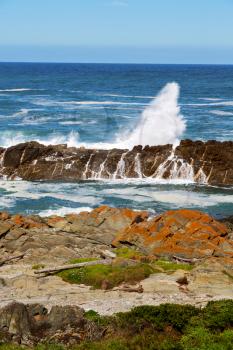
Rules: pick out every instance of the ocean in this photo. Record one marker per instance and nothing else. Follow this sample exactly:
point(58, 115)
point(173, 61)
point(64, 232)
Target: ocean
point(114, 105)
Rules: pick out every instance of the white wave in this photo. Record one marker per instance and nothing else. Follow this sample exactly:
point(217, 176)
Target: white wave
point(98, 103)
point(22, 112)
point(43, 102)
point(61, 191)
point(127, 96)
point(35, 120)
point(222, 113)
point(63, 211)
point(70, 122)
point(6, 202)
point(210, 99)
point(11, 138)
point(15, 90)
point(222, 103)
point(176, 198)
point(76, 122)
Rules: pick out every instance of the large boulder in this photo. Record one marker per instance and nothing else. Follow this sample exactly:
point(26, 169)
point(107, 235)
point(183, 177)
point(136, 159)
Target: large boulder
point(183, 233)
point(30, 324)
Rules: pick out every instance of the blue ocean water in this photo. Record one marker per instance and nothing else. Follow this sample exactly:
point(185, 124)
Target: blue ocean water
point(95, 103)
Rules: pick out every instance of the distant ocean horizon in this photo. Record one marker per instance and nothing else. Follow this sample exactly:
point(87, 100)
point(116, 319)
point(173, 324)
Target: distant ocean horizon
point(104, 105)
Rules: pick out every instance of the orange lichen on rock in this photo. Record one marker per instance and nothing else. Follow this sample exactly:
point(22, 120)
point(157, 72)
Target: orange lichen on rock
point(187, 233)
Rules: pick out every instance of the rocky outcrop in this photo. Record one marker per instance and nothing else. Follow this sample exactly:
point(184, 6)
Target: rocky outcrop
point(60, 239)
point(35, 242)
point(30, 324)
point(205, 162)
point(183, 233)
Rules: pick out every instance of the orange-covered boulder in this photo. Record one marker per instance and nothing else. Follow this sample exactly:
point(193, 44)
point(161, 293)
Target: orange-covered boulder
point(184, 233)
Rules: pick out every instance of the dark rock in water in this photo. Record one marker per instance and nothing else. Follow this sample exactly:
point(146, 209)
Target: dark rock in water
point(204, 162)
point(30, 324)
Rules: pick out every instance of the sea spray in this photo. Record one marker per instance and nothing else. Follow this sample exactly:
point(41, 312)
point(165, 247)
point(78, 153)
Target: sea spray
point(161, 122)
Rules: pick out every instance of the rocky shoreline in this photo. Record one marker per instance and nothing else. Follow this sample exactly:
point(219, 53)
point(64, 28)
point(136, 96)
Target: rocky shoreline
point(191, 254)
point(184, 236)
point(196, 161)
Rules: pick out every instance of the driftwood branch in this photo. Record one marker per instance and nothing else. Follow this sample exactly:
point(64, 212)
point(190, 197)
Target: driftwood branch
point(73, 266)
point(10, 258)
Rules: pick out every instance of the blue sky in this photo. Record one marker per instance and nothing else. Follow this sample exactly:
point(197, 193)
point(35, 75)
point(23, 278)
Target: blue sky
point(153, 31)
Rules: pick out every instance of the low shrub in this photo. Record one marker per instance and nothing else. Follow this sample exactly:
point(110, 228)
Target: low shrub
point(216, 316)
point(201, 338)
point(158, 317)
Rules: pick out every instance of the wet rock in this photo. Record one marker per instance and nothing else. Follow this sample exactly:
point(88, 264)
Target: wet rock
point(209, 161)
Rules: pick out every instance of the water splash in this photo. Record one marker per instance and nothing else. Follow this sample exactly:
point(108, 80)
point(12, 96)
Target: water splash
point(87, 167)
point(137, 166)
point(161, 122)
point(120, 169)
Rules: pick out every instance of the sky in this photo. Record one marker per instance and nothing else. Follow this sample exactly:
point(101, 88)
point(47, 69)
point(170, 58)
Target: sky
point(130, 31)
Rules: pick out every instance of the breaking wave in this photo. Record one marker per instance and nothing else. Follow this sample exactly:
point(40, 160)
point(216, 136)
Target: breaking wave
point(15, 90)
point(63, 211)
point(222, 113)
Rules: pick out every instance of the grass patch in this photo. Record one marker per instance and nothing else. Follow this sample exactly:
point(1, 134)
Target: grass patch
point(172, 266)
point(81, 260)
point(128, 253)
point(38, 266)
point(110, 275)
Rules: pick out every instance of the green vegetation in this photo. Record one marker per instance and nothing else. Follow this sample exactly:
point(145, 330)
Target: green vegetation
point(128, 253)
point(164, 327)
point(121, 270)
point(167, 265)
point(81, 260)
point(201, 339)
point(158, 317)
point(93, 316)
point(107, 276)
point(38, 266)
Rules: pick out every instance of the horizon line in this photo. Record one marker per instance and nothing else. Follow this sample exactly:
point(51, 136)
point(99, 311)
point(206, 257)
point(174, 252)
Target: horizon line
point(118, 63)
